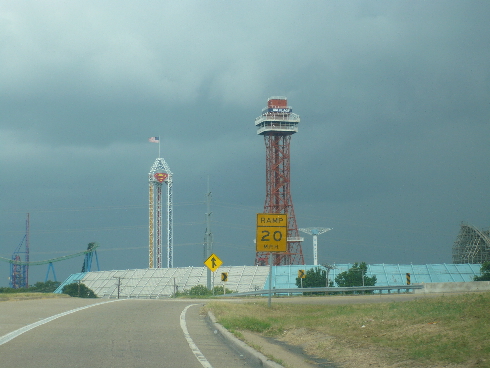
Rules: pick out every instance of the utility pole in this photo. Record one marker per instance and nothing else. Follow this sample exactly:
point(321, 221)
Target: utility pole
point(118, 285)
point(209, 235)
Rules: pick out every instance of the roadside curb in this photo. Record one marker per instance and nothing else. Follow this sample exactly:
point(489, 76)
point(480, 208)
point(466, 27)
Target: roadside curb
point(248, 352)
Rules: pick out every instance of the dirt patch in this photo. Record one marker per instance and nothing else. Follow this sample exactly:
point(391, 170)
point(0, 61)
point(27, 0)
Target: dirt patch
point(301, 348)
point(290, 356)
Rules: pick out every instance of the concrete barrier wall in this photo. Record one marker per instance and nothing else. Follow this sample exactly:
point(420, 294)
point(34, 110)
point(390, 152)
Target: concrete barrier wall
point(454, 287)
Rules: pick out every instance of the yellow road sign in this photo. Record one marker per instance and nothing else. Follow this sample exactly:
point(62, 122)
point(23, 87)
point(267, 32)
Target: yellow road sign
point(213, 262)
point(272, 232)
point(301, 274)
point(224, 276)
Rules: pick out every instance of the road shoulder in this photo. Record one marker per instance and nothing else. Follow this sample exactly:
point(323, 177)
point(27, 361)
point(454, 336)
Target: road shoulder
point(265, 351)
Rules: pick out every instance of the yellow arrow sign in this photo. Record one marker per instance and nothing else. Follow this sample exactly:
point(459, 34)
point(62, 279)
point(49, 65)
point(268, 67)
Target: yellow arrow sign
point(213, 262)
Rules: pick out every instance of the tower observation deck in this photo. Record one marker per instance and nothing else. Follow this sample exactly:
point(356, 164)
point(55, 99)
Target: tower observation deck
point(277, 124)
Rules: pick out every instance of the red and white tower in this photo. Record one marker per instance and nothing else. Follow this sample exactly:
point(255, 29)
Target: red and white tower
point(277, 124)
point(160, 173)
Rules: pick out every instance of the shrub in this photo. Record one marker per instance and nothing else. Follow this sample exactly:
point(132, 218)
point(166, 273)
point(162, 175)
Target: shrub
point(199, 290)
point(485, 272)
point(78, 290)
point(44, 287)
point(355, 276)
point(220, 290)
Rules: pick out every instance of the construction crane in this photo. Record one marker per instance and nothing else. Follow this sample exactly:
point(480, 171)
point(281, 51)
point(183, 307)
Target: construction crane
point(315, 231)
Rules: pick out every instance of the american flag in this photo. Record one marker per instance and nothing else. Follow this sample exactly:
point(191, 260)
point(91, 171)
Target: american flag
point(154, 139)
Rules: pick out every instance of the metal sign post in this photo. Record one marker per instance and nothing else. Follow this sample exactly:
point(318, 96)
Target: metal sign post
point(271, 236)
point(270, 280)
point(301, 276)
point(224, 279)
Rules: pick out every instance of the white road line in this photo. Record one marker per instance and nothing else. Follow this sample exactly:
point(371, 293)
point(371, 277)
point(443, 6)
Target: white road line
point(200, 357)
point(12, 335)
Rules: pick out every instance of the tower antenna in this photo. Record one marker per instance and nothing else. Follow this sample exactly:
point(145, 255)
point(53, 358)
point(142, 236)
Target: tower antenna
point(277, 124)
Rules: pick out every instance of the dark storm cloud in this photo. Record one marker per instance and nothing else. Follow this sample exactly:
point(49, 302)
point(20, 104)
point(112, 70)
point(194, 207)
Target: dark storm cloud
point(392, 149)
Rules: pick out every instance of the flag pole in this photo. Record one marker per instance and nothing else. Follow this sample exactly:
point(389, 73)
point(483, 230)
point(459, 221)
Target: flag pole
point(159, 138)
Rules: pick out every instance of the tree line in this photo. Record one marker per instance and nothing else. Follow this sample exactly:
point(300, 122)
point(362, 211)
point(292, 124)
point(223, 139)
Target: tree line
point(78, 290)
point(354, 276)
point(39, 287)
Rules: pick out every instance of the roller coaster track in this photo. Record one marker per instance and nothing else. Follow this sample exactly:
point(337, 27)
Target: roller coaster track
point(36, 263)
point(480, 233)
point(472, 245)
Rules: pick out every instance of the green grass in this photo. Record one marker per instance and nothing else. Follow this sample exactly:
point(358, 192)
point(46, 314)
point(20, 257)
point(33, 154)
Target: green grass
point(438, 330)
point(246, 323)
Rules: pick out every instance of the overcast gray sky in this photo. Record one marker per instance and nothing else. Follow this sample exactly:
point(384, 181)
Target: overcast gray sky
point(392, 150)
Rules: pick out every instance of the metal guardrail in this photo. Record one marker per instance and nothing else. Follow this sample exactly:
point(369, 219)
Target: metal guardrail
point(328, 290)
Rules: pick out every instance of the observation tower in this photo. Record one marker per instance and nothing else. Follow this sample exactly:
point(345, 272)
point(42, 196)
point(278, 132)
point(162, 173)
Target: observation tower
point(160, 173)
point(277, 124)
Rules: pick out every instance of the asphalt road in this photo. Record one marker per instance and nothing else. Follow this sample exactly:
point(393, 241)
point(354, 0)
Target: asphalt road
point(119, 334)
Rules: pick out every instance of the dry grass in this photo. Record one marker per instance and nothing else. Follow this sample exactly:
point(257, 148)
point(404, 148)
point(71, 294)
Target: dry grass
point(27, 296)
point(446, 331)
